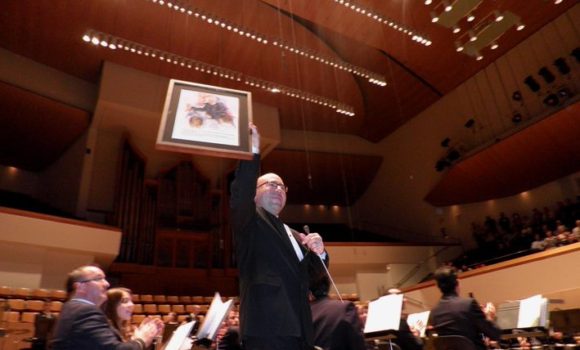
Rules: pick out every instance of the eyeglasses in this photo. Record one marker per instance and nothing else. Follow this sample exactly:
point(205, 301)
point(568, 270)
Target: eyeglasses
point(94, 279)
point(273, 185)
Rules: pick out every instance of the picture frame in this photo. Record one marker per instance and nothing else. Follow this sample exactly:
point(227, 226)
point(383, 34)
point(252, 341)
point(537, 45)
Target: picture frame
point(206, 120)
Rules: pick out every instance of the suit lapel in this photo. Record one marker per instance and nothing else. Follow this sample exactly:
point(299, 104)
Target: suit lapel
point(278, 227)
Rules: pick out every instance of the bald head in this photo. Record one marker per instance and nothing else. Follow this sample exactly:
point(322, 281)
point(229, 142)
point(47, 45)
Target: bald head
point(271, 193)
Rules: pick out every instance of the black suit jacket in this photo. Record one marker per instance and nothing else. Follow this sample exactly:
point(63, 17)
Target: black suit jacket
point(273, 281)
point(85, 326)
point(336, 325)
point(454, 315)
point(406, 340)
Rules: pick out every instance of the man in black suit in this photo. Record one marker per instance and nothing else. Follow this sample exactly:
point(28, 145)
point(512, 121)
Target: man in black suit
point(336, 324)
point(455, 315)
point(273, 261)
point(82, 324)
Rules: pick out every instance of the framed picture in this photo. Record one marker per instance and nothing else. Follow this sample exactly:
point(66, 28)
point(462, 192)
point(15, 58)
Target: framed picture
point(206, 120)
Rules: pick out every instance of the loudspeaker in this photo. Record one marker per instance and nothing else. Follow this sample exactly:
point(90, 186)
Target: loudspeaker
point(532, 83)
point(547, 75)
point(562, 66)
point(576, 54)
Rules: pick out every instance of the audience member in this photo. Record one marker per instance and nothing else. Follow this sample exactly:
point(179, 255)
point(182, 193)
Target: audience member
point(43, 324)
point(83, 325)
point(455, 315)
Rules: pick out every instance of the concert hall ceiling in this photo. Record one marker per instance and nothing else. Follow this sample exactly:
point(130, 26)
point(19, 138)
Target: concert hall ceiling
point(335, 54)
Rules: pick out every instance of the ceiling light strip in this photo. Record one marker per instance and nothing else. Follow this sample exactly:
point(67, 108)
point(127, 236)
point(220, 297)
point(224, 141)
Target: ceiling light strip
point(177, 5)
point(117, 43)
point(415, 36)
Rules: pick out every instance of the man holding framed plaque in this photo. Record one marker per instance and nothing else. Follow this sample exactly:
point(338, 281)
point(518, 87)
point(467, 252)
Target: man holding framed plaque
point(273, 261)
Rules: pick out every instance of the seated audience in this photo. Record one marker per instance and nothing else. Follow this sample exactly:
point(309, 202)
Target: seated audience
point(43, 323)
point(455, 315)
point(83, 325)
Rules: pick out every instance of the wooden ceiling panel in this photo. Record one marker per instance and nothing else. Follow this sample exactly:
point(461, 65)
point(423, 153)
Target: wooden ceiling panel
point(36, 130)
point(514, 165)
point(314, 177)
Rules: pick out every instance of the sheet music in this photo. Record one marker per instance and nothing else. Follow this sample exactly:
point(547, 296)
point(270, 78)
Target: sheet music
point(418, 321)
point(530, 314)
point(179, 336)
point(217, 312)
point(384, 313)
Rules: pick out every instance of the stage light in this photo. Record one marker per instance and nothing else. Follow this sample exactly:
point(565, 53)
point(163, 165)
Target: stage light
point(551, 100)
point(456, 29)
point(498, 16)
point(470, 18)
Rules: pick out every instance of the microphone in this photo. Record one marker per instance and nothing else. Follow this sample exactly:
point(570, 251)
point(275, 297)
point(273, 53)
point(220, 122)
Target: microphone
point(307, 231)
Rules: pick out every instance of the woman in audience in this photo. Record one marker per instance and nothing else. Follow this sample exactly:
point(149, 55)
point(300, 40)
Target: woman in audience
point(119, 308)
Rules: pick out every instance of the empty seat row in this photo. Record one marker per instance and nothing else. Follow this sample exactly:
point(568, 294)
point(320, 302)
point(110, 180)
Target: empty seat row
point(32, 293)
point(166, 308)
point(25, 316)
point(173, 299)
point(136, 319)
point(32, 305)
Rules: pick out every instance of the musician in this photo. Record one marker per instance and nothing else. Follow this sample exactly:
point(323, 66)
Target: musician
point(455, 315)
point(405, 337)
point(273, 261)
point(336, 324)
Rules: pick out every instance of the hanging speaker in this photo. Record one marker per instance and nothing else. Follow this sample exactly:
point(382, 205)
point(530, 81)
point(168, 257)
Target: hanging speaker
point(576, 54)
point(547, 75)
point(562, 66)
point(532, 83)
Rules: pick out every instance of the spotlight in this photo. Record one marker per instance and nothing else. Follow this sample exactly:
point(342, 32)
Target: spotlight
point(469, 123)
point(458, 46)
point(428, 2)
point(472, 36)
point(494, 45)
point(434, 17)
point(551, 100)
point(562, 66)
point(470, 18)
point(517, 118)
point(564, 92)
point(517, 96)
point(445, 142)
point(520, 27)
point(532, 83)
point(456, 29)
point(547, 75)
point(498, 16)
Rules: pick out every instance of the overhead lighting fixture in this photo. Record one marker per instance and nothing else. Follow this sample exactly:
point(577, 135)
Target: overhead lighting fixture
point(472, 36)
point(434, 17)
point(456, 29)
point(470, 18)
point(379, 18)
point(479, 57)
point(458, 46)
point(112, 42)
point(448, 6)
point(260, 38)
point(556, 2)
point(494, 45)
point(498, 16)
point(520, 26)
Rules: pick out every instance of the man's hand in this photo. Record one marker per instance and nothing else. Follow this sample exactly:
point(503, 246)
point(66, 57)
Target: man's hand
point(313, 241)
point(255, 137)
